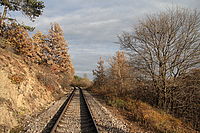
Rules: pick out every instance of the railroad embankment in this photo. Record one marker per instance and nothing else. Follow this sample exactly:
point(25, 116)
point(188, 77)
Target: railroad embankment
point(143, 117)
point(23, 90)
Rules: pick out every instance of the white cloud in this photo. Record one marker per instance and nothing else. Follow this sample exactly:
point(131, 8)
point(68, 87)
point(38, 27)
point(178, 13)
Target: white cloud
point(98, 23)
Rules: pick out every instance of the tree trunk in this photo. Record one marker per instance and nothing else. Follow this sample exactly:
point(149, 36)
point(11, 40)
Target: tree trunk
point(3, 15)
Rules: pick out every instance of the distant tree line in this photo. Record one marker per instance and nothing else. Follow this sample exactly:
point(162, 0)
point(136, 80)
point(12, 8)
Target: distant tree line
point(81, 82)
point(161, 64)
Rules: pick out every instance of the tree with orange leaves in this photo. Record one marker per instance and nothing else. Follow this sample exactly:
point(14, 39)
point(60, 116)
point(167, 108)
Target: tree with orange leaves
point(20, 40)
point(59, 50)
point(120, 76)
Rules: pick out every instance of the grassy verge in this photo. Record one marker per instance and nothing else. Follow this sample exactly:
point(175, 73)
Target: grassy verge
point(147, 116)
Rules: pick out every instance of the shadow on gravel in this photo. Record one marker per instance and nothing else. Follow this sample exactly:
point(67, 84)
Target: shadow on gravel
point(87, 125)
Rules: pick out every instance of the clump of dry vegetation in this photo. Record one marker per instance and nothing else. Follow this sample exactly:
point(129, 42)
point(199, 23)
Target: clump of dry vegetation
point(17, 78)
point(149, 117)
point(48, 80)
point(159, 74)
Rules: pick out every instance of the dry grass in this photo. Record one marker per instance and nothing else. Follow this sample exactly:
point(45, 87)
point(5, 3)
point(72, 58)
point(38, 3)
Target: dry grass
point(149, 117)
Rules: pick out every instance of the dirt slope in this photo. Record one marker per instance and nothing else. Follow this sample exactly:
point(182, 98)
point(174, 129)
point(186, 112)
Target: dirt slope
point(21, 94)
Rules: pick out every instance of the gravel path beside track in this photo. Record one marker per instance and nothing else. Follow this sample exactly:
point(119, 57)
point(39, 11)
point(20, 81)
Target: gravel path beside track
point(105, 121)
point(37, 124)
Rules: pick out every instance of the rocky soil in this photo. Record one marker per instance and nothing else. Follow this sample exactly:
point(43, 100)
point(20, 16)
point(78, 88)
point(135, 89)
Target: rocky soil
point(38, 123)
point(21, 94)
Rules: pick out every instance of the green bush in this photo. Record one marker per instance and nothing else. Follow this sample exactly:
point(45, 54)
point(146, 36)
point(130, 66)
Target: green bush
point(119, 103)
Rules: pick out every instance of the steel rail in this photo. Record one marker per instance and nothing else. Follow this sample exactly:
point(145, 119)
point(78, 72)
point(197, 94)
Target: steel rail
point(66, 106)
point(89, 110)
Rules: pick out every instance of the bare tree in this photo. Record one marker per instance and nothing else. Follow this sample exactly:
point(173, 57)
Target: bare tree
point(164, 46)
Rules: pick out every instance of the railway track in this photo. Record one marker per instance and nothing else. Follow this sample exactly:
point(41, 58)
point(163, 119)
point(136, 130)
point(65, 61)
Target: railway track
point(74, 116)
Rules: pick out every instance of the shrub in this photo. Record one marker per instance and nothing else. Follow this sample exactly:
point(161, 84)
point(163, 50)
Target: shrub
point(48, 80)
point(82, 82)
point(119, 103)
point(17, 78)
point(154, 119)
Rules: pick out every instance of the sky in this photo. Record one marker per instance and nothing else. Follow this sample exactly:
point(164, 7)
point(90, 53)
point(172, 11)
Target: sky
point(91, 27)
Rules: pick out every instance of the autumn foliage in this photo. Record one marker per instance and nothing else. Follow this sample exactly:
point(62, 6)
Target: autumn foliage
point(160, 67)
point(119, 73)
point(49, 50)
point(116, 79)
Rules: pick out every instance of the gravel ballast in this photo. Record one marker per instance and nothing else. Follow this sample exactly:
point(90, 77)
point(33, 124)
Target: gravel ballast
point(36, 125)
point(105, 121)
